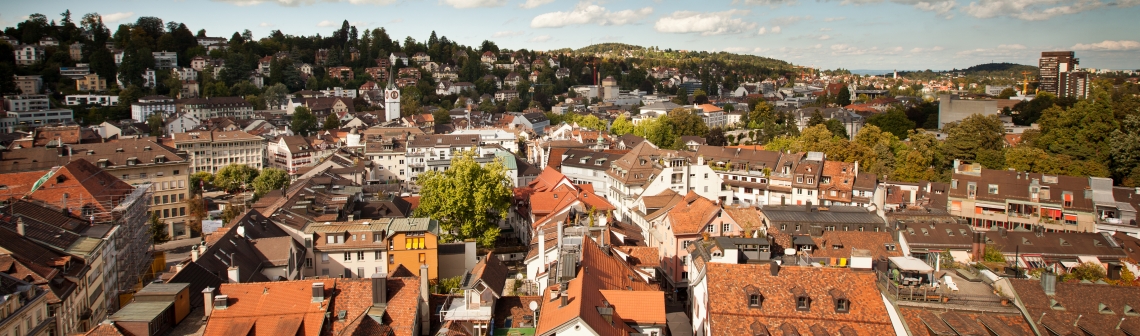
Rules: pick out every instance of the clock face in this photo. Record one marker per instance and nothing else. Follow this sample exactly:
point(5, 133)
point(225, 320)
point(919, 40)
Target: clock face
point(394, 94)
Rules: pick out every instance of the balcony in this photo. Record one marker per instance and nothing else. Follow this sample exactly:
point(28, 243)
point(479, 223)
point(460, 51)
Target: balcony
point(455, 309)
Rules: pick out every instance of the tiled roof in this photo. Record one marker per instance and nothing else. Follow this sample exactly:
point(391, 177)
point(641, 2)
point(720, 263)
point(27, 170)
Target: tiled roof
point(937, 322)
point(641, 256)
point(729, 313)
point(1084, 309)
point(80, 182)
point(747, 217)
point(104, 329)
point(492, 272)
point(515, 307)
point(838, 244)
point(841, 177)
point(693, 214)
point(270, 308)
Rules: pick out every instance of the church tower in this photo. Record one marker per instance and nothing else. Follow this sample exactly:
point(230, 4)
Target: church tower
point(391, 99)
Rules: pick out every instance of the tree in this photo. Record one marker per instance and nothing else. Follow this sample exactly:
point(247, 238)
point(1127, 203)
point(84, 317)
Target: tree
point(836, 127)
point(467, 199)
point(1006, 93)
point(1082, 131)
point(1125, 144)
point(592, 122)
point(966, 138)
point(659, 132)
point(686, 123)
point(197, 207)
point(303, 123)
point(844, 96)
point(232, 211)
point(621, 126)
point(331, 122)
point(155, 122)
point(816, 118)
point(199, 180)
point(157, 229)
point(1085, 271)
point(700, 97)
point(270, 179)
point(234, 177)
point(894, 121)
point(682, 97)
point(276, 95)
point(716, 137)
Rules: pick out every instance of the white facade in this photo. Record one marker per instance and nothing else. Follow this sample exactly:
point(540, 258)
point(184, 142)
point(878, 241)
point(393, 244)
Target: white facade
point(209, 151)
point(494, 137)
point(92, 99)
point(391, 103)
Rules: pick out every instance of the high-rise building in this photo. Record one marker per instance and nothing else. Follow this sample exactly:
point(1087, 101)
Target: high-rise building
point(1054, 77)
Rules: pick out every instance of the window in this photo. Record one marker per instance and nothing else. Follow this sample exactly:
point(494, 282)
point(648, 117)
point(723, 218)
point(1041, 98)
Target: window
point(391, 259)
point(360, 255)
point(842, 305)
point(810, 180)
point(755, 300)
point(378, 255)
point(889, 247)
point(710, 228)
point(325, 260)
point(348, 256)
point(176, 172)
point(423, 258)
point(725, 227)
point(803, 303)
point(993, 189)
point(308, 262)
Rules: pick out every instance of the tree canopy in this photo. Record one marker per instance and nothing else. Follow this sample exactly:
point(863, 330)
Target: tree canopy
point(467, 199)
point(235, 177)
point(270, 179)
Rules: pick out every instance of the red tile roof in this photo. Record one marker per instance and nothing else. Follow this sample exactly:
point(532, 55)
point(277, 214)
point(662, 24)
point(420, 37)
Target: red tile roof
point(104, 329)
point(354, 296)
point(271, 308)
point(72, 186)
point(693, 214)
point(875, 242)
point(729, 313)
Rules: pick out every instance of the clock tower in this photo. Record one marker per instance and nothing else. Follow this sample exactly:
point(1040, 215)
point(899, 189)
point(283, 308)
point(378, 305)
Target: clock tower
point(391, 103)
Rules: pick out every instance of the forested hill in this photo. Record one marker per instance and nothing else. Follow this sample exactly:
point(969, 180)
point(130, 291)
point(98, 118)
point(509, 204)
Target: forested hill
point(671, 57)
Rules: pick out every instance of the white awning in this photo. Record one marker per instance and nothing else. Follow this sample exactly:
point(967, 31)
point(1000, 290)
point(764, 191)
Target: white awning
point(911, 264)
point(960, 256)
point(1069, 264)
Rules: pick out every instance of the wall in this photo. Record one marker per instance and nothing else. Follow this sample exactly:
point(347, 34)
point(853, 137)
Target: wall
point(951, 109)
point(410, 258)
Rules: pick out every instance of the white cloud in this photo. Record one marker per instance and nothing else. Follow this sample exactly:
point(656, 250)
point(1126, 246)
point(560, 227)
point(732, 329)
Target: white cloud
point(825, 29)
point(399, 20)
point(588, 13)
point(534, 3)
point(833, 19)
point(745, 50)
point(775, 30)
point(789, 20)
point(116, 17)
point(824, 37)
point(1033, 10)
point(1108, 45)
point(507, 33)
point(922, 50)
point(265, 24)
point(1011, 46)
point(540, 38)
point(327, 23)
point(763, 30)
point(942, 7)
point(475, 3)
point(715, 23)
point(772, 3)
point(293, 3)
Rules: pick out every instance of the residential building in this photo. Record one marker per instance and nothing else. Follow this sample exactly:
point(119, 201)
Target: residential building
point(25, 307)
point(758, 299)
point(180, 123)
point(1075, 84)
point(214, 107)
point(34, 111)
point(434, 152)
point(148, 105)
point(1058, 307)
point(30, 84)
point(156, 309)
point(687, 221)
point(289, 153)
point(353, 249)
point(76, 72)
point(836, 182)
point(413, 243)
point(745, 172)
point(27, 102)
point(209, 151)
point(814, 220)
point(29, 54)
point(588, 167)
point(481, 288)
point(1052, 66)
point(342, 73)
point(91, 83)
point(164, 60)
point(1014, 199)
point(91, 99)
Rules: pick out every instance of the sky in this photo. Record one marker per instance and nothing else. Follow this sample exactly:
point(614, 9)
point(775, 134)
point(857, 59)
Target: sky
point(827, 34)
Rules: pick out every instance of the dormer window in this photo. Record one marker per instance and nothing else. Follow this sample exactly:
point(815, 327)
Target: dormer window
point(803, 303)
point(1129, 311)
point(1053, 304)
point(755, 300)
point(842, 306)
point(1104, 309)
point(993, 189)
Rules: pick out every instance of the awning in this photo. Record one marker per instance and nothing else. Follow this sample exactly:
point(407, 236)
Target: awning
point(911, 264)
point(960, 256)
point(1069, 264)
point(1034, 261)
point(1069, 217)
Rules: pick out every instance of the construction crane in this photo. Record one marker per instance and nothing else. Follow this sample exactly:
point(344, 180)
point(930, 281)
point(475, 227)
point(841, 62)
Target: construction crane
point(1025, 82)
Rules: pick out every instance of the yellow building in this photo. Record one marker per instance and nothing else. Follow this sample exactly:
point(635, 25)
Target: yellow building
point(91, 83)
point(413, 242)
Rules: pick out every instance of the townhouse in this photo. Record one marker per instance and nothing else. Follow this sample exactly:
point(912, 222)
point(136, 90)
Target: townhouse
point(353, 249)
point(1014, 199)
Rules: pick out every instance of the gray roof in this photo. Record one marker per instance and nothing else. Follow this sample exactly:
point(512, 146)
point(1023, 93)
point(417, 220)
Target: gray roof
point(413, 224)
point(833, 214)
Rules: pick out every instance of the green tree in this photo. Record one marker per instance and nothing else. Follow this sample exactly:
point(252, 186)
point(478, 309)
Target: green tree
point(687, 123)
point(155, 122)
point(1085, 271)
point(235, 177)
point(592, 122)
point(275, 96)
point(270, 179)
point(1006, 93)
point(700, 97)
point(621, 126)
point(836, 127)
point(1082, 131)
point(844, 96)
point(304, 122)
point(682, 97)
point(1125, 144)
point(157, 229)
point(198, 180)
point(894, 121)
point(331, 122)
point(966, 138)
point(467, 199)
point(232, 211)
point(716, 137)
point(816, 119)
point(659, 131)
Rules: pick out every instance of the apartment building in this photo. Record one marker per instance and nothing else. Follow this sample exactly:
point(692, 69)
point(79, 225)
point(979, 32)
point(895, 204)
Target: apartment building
point(25, 307)
point(30, 84)
point(744, 172)
point(91, 83)
point(290, 153)
point(215, 107)
point(91, 99)
point(29, 54)
point(165, 59)
point(352, 249)
point(148, 105)
point(434, 152)
point(209, 151)
point(588, 167)
point(388, 154)
point(412, 243)
point(1013, 199)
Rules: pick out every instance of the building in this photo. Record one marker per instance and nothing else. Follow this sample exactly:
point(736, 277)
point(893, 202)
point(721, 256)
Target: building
point(215, 107)
point(1056, 307)
point(164, 60)
point(588, 167)
point(27, 102)
point(482, 287)
point(91, 83)
point(353, 249)
point(434, 152)
point(91, 99)
point(156, 309)
point(209, 151)
point(29, 54)
point(30, 84)
point(33, 111)
point(1021, 200)
point(814, 220)
point(162, 105)
point(1052, 66)
point(289, 153)
point(1074, 84)
point(25, 308)
point(757, 299)
point(951, 109)
point(413, 243)
point(76, 72)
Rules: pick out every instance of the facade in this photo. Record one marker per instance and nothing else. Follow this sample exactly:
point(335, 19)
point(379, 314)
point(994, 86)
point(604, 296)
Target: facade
point(148, 105)
point(91, 83)
point(25, 308)
point(215, 107)
point(1052, 65)
point(29, 85)
point(412, 243)
point(353, 249)
point(990, 199)
point(209, 151)
point(29, 54)
point(289, 153)
point(91, 99)
point(951, 109)
point(588, 167)
point(165, 59)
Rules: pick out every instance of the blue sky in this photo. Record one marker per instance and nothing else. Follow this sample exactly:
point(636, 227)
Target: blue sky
point(852, 34)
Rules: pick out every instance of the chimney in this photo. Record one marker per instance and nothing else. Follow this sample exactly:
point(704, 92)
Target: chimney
point(564, 301)
point(208, 300)
point(234, 274)
point(20, 226)
point(774, 268)
point(194, 253)
point(607, 312)
point(379, 290)
point(318, 291)
point(1049, 283)
point(978, 246)
point(221, 302)
point(424, 300)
